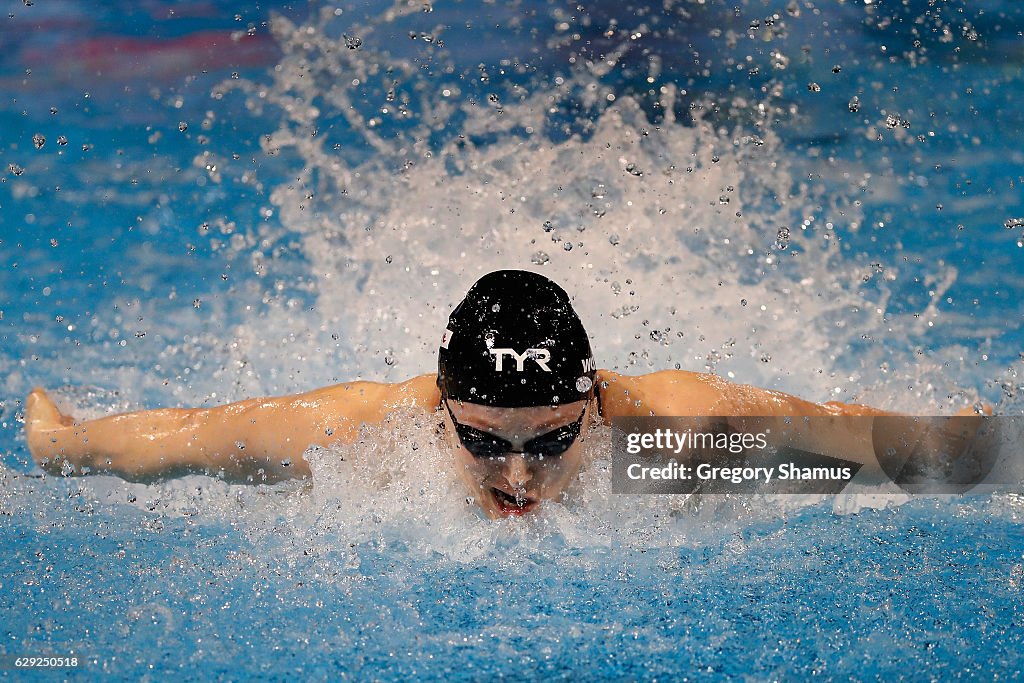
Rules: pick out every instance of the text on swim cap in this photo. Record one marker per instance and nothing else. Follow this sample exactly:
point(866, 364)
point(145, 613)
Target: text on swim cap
point(542, 356)
point(589, 365)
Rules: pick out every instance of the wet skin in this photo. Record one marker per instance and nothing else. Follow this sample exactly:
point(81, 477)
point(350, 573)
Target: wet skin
point(264, 439)
point(515, 483)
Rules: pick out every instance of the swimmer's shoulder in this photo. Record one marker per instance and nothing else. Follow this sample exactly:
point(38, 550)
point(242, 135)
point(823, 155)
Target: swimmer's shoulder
point(366, 401)
point(667, 392)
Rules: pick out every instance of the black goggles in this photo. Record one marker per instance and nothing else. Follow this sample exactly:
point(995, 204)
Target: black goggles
point(486, 445)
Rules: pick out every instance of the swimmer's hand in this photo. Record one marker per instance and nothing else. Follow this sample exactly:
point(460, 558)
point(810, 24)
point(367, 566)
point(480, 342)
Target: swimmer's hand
point(44, 427)
point(934, 454)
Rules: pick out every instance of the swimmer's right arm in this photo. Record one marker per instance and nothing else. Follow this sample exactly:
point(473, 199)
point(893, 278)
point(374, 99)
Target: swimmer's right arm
point(255, 440)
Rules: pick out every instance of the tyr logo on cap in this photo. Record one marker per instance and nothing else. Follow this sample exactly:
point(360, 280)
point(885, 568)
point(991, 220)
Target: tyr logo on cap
point(542, 356)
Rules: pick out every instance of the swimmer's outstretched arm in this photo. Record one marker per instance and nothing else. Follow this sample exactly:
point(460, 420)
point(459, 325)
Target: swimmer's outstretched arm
point(842, 432)
point(255, 440)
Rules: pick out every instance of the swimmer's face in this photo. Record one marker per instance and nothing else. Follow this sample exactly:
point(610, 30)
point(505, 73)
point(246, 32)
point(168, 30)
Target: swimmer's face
point(515, 483)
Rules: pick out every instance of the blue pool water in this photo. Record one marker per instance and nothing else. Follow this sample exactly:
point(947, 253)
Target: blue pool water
point(209, 200)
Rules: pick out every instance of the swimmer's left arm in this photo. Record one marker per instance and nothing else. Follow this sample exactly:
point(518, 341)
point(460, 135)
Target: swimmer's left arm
point(746, 408)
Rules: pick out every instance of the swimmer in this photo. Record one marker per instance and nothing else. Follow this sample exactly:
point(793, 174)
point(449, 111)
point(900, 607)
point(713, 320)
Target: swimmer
point(517, 391)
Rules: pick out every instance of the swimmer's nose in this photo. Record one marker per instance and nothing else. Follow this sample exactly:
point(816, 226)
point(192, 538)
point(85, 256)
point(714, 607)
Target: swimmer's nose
point(516, 471)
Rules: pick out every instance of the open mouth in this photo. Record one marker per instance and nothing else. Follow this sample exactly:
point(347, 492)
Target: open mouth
point(510, 504)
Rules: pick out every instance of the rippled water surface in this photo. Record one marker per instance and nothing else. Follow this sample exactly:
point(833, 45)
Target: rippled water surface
point(204, 201)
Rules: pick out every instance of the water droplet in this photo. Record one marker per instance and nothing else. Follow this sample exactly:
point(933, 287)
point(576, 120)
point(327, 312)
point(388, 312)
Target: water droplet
point(548, 226)
point(782, 239)
point(814, 87)
point(1012, 223)
point(389, 361)
point(182, 126)
point(854, 104)
point(894, 120)
point(353, 42)
point(766, 358)
point(240, 445)
point(836, 69)
point(38, 140)
point(743, 302)
point(540, 258)
point(567, 246)
point(614, 239)
point(583, 384)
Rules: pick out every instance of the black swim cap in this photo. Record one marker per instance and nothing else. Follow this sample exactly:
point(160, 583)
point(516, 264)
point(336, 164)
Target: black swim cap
point(515, 341)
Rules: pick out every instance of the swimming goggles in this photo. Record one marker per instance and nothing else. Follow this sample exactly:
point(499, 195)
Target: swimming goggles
point(486, 445)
